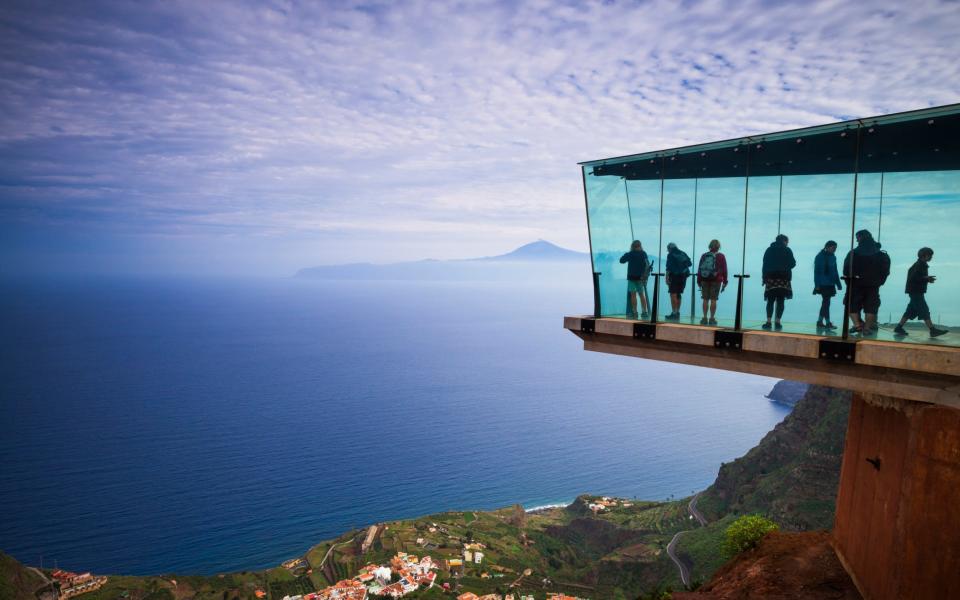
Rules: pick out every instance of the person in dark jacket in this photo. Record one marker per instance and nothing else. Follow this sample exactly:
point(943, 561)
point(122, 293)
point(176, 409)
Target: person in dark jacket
point(918, 277)
point(678, 269)
point(638, 270)
point(868, 267)
point(826, 282)
point(778, 264)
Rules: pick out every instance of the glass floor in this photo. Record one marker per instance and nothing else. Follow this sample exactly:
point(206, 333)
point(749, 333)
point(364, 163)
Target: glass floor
point(917, 333)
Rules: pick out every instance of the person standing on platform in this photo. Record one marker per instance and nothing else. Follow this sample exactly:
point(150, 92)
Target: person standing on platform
point(826, 283)
point(918, 277)
point(712, 279)
point(868, 267)
point(638, 270)
point(678, 269)
point(778, 264)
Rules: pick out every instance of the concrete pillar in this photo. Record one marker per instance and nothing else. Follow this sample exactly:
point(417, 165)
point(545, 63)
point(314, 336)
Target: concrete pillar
point(897, 528)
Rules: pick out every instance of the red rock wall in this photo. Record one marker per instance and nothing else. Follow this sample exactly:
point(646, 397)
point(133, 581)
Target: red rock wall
point(897, 527)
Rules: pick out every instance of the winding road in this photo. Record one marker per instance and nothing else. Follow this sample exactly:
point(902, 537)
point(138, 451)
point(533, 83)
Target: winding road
point(672, 546)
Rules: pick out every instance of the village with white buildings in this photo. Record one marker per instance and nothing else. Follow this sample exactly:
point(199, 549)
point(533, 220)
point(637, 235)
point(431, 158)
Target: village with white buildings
point(408, 573)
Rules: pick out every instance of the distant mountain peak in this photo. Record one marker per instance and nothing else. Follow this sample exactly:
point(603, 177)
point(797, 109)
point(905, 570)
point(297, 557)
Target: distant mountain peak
point(539, 250)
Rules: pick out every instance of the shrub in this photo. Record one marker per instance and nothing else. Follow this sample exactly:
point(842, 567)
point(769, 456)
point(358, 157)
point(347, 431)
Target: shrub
point(746, 532)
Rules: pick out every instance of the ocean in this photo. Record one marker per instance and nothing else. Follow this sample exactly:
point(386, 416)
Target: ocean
point(156, 425)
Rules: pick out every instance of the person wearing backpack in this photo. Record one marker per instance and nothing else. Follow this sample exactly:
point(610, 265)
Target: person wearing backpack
point(778, 264)
point(869, 267)
point(918, 277)
point(712, 279)
point(678, 269)
point(638, 270)
point(826, 282)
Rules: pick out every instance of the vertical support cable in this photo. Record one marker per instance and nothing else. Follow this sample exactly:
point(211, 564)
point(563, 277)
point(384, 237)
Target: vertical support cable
point(780, 206)
point(738, 315)
point(626, 190)
point(656, 282)
point(848, 277)
point(693, 248)
point(880, 216)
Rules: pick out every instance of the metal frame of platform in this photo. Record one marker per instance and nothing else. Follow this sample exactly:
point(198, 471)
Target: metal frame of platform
point(912, 372)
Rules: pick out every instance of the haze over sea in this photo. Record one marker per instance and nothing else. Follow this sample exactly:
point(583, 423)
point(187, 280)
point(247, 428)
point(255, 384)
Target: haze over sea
point(161, 425)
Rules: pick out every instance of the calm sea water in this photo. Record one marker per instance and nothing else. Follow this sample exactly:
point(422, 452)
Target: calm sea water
point(199, 426)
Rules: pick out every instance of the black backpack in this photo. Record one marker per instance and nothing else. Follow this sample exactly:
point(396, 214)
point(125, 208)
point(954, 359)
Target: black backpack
point(872, 269)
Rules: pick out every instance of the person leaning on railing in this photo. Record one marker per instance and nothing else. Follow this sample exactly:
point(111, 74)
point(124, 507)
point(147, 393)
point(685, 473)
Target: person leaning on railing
point(778, 264)
point(638, 271)
point(678, 269)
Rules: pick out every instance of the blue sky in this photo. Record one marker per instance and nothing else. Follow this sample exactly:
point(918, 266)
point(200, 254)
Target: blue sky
point(231, 137)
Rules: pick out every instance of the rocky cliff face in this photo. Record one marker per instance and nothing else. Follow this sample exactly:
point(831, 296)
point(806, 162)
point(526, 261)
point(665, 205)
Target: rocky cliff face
point(792, 474)
point(788, 393)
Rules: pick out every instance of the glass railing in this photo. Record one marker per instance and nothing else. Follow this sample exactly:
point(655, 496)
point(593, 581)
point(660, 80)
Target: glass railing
point(826, 230)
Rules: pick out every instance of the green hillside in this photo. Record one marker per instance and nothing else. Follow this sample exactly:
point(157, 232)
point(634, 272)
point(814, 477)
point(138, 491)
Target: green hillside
point(18, 582)
point(791, 476)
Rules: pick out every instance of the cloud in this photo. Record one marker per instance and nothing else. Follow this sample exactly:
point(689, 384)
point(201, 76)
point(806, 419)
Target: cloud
point(401, 119)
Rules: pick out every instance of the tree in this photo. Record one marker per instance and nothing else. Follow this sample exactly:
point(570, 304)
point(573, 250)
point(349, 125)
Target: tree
point(746, 532)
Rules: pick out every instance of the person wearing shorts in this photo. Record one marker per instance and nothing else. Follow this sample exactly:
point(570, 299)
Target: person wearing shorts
point(868, 266)
point(638, 270)
point(918, 277)
point(678, 269)
point(712, 279)
point(864, 298)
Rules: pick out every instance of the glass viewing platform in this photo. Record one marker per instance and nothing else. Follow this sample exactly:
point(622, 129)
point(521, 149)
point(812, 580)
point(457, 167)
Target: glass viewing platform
point(812, 225)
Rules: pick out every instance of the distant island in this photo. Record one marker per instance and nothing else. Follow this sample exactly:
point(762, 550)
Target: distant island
point(539, 254)
point(598, 547)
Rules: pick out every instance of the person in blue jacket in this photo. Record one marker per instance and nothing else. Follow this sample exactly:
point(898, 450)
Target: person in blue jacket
point(826, 282)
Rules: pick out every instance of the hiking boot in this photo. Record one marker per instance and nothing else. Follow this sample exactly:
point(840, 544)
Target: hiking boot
point(766, 325)
point(900, 331)
point(855, 330)
point(713, 321)
point(934, 332)
point(703, 321)
point(829, 326)
point(820, 326)
point(778, 326)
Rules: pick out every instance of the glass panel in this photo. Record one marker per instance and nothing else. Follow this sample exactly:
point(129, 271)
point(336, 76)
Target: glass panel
point(609, 222)
point(644, 199)
point(719, 219)
point(908, 198)
point(676, 250)
point(703, 203)
point(623, 205)
point(800, 187)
